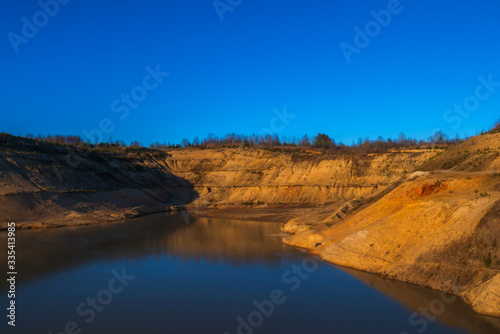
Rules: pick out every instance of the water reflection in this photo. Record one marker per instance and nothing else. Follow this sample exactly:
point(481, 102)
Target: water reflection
point(415, 298)
point(238, 242)
point(238, 261)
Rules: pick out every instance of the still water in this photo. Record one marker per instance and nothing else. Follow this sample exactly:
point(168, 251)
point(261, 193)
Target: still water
point(167, 274)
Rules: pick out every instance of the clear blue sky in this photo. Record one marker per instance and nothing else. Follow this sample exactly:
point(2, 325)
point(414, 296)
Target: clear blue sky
point(228, 75)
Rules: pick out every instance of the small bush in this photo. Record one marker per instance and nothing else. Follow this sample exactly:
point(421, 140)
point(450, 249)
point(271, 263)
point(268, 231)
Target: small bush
point(487, 260)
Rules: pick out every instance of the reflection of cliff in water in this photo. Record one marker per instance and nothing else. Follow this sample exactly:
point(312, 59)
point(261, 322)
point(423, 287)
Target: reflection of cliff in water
point(223, 239)
point(416, 298)
point(235, 242)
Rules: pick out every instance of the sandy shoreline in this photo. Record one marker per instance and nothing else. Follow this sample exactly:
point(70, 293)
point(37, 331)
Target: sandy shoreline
point(278, 214)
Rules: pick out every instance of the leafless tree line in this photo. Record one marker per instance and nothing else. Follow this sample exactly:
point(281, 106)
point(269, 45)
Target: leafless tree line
point(321, 141)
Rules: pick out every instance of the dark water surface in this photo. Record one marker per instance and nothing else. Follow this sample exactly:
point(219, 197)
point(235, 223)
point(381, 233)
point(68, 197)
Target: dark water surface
point(158, 274)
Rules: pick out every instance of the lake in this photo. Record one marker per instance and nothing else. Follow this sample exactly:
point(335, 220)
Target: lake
point(169, 273)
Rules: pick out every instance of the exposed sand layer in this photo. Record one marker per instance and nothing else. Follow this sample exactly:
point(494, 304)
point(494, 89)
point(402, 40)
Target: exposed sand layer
point(428, 217)
point(439, 230)
point(44, 185)
point(243, 176)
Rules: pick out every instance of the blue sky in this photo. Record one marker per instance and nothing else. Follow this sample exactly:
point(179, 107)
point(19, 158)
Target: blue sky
point(229, 75)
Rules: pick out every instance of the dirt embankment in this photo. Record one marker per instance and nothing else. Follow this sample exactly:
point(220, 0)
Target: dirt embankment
point(252, 177)
point(46, 185)
point(425, 217)
point(438, 229)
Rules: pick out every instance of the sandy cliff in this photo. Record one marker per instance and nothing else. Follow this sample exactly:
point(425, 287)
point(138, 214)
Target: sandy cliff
point(424, 217)
point(236, 176)
point(438, 229)
point(45, 185)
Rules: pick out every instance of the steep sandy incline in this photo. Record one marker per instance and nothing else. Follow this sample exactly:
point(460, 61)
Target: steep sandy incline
point(237, 176)
point(437, 229)
point(45, 185)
